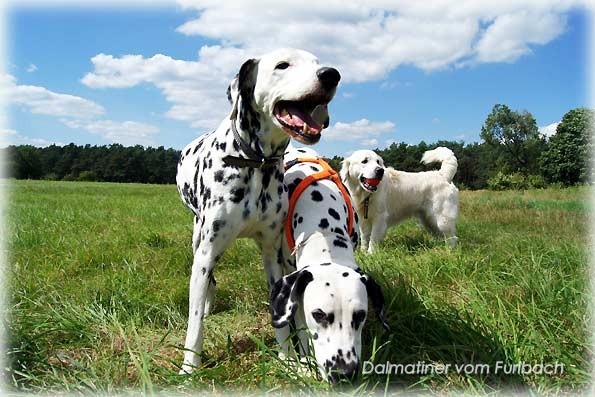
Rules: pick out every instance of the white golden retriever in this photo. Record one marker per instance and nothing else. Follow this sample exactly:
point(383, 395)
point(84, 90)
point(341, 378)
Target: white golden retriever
point(384, 196)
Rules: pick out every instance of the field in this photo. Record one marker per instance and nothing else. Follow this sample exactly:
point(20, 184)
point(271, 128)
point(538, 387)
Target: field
point(99, 274)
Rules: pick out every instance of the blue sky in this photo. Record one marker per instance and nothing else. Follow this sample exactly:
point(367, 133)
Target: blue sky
point(92, 75)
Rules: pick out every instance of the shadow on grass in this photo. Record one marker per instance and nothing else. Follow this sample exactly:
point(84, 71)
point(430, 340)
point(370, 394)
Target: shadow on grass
point(420, 335)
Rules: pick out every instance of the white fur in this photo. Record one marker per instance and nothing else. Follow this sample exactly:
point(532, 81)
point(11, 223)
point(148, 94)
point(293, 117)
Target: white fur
point(430, 196)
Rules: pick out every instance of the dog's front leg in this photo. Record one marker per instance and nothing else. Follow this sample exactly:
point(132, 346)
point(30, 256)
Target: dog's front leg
point(202, 267)
point(272, 258)
point(199, 282)
point(365, 230)
point(378, 232)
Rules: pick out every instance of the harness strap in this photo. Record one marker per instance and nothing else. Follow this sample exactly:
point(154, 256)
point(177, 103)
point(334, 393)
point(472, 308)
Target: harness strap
point(326, 173)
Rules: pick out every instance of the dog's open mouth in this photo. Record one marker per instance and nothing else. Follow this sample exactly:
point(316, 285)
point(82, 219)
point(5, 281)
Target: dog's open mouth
point(370, 184)
point(296, 119)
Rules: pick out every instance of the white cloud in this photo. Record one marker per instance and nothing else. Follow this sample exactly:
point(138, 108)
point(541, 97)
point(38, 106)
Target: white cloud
point(40, 100)
point(511, 35)
point(127, 133)
point(31, 68)
point(11, 137)
point(73, 111)
point(549, 130)
point(359, 130)
point(369, 142)
point(196, 89)
point(365, 41)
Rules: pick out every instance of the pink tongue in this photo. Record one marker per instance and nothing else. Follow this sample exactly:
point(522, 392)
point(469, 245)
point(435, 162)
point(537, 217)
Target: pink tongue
point(297, 118)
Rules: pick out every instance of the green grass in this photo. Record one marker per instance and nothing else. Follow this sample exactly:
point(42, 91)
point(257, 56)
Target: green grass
point(99, 281)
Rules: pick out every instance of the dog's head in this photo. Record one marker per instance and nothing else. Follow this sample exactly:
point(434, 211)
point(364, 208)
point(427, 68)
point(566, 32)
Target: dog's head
point(286, 90)
point(334, 303)
point(363, 169)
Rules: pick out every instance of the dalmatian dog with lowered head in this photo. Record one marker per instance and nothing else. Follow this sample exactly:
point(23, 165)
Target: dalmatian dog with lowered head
point(232, 179)
point(384, 196)
point(327, 294)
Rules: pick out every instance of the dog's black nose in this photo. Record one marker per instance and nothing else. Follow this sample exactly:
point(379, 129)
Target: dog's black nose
point(344, 371)
point(379, 172)
point(329, 77)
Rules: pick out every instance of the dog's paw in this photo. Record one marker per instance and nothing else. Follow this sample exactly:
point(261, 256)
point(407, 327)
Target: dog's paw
point(452, 241)
point(188, 369)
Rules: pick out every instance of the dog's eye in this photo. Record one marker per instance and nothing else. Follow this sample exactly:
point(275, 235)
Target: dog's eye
point(319, 316)
point(359, 316)
point(364, 161)
point(282, 65)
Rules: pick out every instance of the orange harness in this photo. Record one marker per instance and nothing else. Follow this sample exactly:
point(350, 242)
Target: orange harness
point(327, 172)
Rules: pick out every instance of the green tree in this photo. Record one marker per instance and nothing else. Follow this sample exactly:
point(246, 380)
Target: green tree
point(566, 158)
point(514, 140)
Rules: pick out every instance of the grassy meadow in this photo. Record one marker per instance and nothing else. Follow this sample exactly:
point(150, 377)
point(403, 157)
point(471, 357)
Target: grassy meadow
point(99, 272)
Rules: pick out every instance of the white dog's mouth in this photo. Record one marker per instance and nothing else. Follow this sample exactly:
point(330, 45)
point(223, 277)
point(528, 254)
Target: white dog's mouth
point(295, 117)
point(370, 184)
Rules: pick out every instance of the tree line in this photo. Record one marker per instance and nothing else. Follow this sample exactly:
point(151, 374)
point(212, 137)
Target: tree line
point(112, 163)
point(512, 154)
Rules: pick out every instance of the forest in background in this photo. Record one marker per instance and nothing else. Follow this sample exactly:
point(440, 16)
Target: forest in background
point(512, 154)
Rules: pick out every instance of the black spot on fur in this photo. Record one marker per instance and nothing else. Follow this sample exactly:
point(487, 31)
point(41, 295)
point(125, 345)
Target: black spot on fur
point(345, 274)
point(339, 243)
point(338, 231)
point(334, 213)
point(217, 225)
point(316, 195)
point(323, 223)
point(237, 194)
point(219, 176)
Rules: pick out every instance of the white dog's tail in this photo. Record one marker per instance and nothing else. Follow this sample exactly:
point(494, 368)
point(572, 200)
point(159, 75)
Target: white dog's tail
point(446, 157)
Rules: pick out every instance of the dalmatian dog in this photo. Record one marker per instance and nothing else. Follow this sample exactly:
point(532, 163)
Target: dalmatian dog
point(325, 293)
point(385, 196)
point(232, 179)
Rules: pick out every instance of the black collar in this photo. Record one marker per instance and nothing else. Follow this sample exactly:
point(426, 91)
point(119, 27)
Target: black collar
point(253, 159)
point(366, 206)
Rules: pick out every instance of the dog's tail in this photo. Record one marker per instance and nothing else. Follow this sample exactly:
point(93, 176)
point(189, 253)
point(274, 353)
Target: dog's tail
point(446, 157)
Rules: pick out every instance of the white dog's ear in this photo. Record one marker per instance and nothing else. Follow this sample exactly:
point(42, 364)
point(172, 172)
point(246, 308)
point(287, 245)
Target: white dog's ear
point(344, 173)
point(377, 298)
point(285, 296)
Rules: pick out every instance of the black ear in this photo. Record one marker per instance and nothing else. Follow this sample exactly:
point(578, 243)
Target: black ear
point(377, 298)
point(232, 90)
point(245, 86)
point(285, 296)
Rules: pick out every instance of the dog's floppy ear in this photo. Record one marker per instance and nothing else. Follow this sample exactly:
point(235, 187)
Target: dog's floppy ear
point(376, 297)
point(285, 296)
point(344, 173)
point(246, 82)
point(232, 90)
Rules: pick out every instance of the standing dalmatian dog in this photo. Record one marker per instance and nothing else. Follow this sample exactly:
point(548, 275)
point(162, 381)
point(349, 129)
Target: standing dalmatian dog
point(232, 179)
point(327, 294)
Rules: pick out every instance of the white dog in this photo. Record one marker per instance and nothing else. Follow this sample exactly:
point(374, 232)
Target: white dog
point(384, 196)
